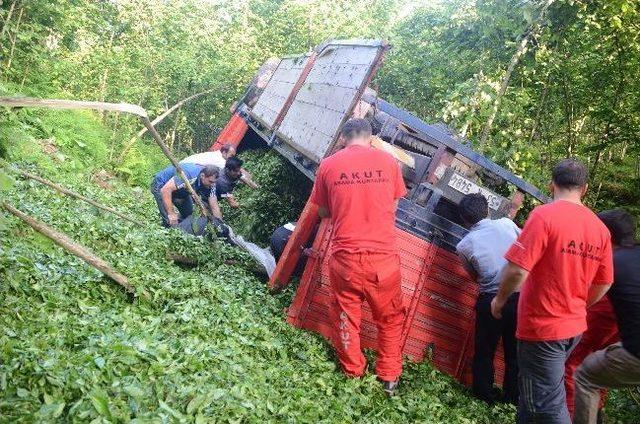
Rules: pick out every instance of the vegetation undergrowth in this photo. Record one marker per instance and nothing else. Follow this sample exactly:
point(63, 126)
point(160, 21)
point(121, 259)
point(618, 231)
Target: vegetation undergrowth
point(210, 344)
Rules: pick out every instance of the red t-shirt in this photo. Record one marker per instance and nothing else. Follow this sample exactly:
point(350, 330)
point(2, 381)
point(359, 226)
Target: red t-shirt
point(359, 186)
point(566, 249)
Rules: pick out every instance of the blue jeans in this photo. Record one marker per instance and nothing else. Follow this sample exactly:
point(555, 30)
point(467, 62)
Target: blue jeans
point(543, 399)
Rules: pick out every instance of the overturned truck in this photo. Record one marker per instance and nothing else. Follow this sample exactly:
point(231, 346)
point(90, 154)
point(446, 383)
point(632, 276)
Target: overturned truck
point(297, 105)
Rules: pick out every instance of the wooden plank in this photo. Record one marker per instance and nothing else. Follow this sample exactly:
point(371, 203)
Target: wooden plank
point(293, 250)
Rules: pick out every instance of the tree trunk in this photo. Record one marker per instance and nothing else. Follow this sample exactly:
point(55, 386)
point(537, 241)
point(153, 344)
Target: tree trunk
point(522, 47)
point(73, 247)
point(13, 39)
point(5, 24)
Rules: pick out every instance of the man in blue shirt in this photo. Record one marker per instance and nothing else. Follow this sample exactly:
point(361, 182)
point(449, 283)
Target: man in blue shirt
point(170, 191)
point(482, 253)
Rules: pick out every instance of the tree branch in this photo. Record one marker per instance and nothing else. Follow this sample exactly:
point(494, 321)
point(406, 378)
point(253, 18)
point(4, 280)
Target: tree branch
point(71, 246)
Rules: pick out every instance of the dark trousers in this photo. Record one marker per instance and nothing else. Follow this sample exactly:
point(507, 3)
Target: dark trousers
point(543, 399)
point(488, 333)
point(182, 202)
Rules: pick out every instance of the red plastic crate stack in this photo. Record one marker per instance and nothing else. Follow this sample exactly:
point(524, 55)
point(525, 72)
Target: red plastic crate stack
point(437, 292)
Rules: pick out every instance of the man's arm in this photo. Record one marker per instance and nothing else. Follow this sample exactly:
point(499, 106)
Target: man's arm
point(468, 267)
point(247, 178)
point(215, 207)
point(597, 292)
point(512, 278)
point(166, 191)
point(232, 201)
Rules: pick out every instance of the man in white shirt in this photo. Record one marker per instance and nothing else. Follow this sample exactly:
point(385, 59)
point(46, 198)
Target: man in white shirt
point(482, 253)
point(218, 158)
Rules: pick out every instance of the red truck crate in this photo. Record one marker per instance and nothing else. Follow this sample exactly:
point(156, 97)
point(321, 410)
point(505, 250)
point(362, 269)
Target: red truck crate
point(438, 297)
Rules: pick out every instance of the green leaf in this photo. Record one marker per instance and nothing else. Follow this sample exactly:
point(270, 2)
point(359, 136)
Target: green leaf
point(100, 402)
point(134, 391)
point(5, 180)
point(196, 403)
point(99, 361)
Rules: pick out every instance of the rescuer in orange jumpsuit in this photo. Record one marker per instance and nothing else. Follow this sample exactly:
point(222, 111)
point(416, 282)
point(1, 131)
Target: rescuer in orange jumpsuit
point(358, 188)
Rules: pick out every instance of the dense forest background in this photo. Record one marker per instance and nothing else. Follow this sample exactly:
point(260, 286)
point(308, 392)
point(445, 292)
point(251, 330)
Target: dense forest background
point(528, 82)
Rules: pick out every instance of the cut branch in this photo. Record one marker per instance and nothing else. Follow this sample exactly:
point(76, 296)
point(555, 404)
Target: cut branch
point(73, 247)
point(77, 196)
point(159, 119)
point(117, 107)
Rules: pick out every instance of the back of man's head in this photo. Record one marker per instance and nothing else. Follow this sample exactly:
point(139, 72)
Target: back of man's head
point(210, 170)
point(473, 208)
point(570, 174)
point(356, 128)
point(233, 163)
point(227, 147)
point(621, 225)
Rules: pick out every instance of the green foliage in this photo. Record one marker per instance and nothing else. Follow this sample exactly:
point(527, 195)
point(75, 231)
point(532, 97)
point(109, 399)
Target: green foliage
point(280, 198)
point(210, 344)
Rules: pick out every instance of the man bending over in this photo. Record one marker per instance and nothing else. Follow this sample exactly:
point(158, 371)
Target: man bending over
point(482, 252)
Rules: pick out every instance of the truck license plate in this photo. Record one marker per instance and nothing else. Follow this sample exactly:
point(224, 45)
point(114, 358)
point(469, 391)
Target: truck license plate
point(463, 185)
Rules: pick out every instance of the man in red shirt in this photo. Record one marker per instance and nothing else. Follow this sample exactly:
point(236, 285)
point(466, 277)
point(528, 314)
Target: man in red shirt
point(358, 188)
point(563, 256)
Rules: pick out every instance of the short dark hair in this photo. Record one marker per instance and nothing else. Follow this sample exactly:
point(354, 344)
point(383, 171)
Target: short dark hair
point(621, 225)
point(473, 208)
point(226, 147)
point(570, 174)
point(210, 170)
point(355, 127)
point(233, 163)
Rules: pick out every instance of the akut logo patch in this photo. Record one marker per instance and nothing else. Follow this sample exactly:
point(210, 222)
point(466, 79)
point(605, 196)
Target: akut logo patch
point(361, 177)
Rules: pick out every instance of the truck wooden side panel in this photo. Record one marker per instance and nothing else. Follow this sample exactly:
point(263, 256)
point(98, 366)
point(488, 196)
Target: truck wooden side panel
point(278, 89)
point(438, 295)
point(327, 94)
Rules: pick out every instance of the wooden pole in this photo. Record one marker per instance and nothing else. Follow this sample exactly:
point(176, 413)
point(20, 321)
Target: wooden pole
point(159, 119)
point(77, 196)
point(71, 246)
point(116, 107)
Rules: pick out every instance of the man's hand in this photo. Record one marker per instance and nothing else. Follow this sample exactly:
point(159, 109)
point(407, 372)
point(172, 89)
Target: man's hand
point(512, 278)
point(310, 252)
point(496, 307)
point(233, 202)
point(173, 219)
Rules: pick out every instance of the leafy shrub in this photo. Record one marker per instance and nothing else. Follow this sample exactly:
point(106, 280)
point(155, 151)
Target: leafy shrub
point(282, 194)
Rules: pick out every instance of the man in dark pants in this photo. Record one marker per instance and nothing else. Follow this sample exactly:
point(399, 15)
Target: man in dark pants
point(482, 253)
point(618, 365)
point(170, 191)
point(563, 261)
